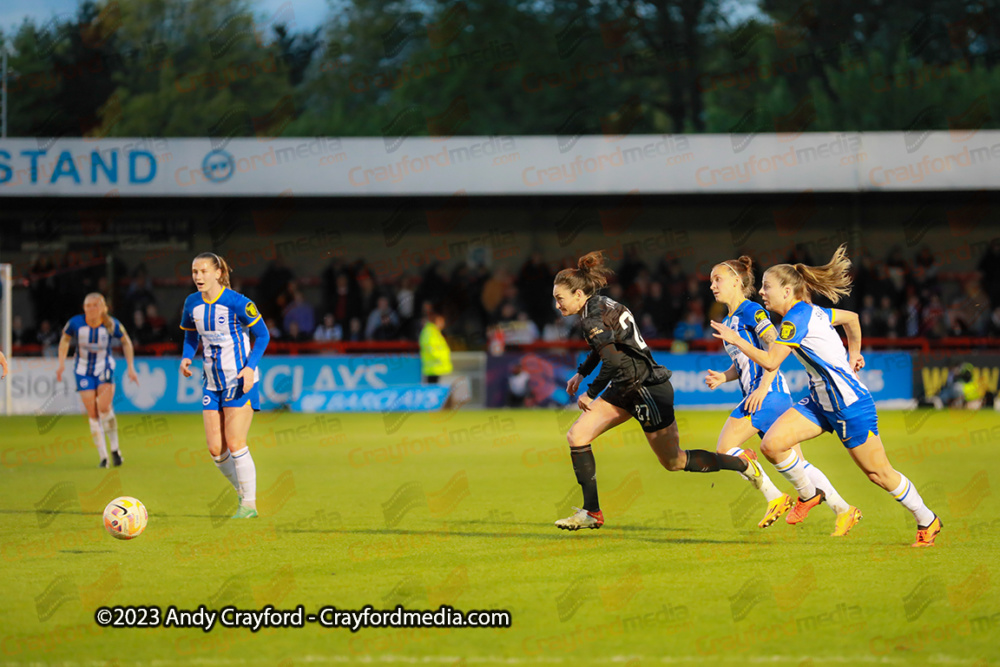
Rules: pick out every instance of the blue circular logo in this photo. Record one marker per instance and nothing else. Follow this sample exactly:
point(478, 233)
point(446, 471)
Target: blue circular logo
point(218, 166)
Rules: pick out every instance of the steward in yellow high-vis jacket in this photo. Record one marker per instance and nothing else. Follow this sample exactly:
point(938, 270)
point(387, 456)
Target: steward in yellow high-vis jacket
point(435, 355)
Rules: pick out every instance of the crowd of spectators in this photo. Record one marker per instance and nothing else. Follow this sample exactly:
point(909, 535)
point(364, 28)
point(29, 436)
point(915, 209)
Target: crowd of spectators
point(895, 296)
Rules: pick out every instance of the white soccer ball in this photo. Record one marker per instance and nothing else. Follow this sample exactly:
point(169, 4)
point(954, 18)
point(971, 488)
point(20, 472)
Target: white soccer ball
point(125, 518)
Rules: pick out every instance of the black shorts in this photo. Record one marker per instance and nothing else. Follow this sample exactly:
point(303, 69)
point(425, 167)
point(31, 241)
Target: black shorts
point(651, 405)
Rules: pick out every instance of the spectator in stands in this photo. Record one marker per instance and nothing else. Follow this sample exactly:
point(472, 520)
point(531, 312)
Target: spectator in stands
point(383, 323)
point(925, 269)
point(534, 283)
point(989, 267)
point(968, 315)
point(897, 273)
point(658, 307)
point(556, 330)
point(867, 314)
point(330, 285)
point(45, 296)
point(406, 303)
point(638, 290)
point(272, 328)
point(647, 327)
point(344, 301)
point(367, 294)
point(140, 328)
point(976, 307)
point(295, 334)
point(48, 338)
point(628, 271)
point(140, 291)
point(328, 330)
point(20, 335)
point(515, 326)
point(157, 325)
point(355, 333)
point(892, 324)
point(507, 316)
point(299, 312)
point(691, 327)
point(495, 292)
point(934, 324)
point(672, 275)
point(286, 297)
point(995, 322)
point(880, 322)
point(526, 331)
point(868, 277)
point(433, 284)
point(273, 282)
point(912, 326)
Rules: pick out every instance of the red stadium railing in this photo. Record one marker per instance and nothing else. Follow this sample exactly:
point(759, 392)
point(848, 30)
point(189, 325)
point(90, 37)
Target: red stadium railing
point(924, 346)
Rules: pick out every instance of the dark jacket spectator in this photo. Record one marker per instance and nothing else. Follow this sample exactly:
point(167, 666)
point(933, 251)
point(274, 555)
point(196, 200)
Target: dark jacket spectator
point(301, 313)
point(273, 282)
point(535, 286)
point(383, 323)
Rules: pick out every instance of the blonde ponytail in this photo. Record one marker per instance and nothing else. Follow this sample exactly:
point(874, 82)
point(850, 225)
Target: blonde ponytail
point(832, 280)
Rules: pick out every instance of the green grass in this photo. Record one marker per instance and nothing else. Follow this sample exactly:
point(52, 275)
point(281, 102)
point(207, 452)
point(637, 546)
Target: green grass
point(679, 573)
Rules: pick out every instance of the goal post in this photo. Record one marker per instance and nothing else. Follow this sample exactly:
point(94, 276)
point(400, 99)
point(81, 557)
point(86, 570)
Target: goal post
point(6, 320)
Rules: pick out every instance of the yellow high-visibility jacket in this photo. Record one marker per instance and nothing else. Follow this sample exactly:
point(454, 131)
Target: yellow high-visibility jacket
point(435, 355)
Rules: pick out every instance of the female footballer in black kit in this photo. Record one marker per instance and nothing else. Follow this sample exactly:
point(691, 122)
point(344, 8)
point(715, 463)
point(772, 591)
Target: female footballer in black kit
point(636, 387)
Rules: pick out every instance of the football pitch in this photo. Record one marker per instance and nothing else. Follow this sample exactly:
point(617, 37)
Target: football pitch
point(456, 509)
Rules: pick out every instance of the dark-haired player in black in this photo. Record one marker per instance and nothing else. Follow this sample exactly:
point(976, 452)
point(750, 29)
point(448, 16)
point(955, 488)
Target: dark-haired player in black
point(634, 386)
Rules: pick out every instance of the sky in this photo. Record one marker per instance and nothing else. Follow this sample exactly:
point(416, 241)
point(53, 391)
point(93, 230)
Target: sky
point(308, 13)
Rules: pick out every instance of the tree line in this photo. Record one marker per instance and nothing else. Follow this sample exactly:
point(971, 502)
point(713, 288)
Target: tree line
point(223, 68)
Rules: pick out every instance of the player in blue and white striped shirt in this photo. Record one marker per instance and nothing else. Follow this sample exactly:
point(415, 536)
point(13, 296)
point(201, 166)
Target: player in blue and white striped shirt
point(838, 401)
point(94, 368)
point(765, 393)
point(221, 318)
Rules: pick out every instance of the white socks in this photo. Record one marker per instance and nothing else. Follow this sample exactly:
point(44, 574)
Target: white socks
point(246, 475)
point(97, 433)
point(907, 496)
point(224, 463)
point(794, 470)
point(819, 480)
point(767, 487)
point(110, 425)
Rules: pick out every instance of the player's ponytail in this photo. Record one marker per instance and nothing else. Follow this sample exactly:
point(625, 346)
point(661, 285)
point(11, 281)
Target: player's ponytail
point(590, 276)
point(218, 263)
point(743, 268)
point(832, 280)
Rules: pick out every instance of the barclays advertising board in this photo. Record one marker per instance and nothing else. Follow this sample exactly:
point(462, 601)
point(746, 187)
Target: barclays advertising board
point(283, 380)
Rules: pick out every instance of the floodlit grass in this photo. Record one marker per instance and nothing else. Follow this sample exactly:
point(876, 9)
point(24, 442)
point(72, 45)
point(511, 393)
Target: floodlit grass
point(457, 509)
